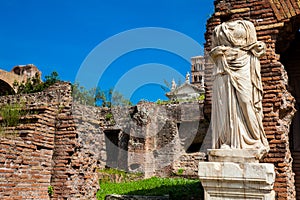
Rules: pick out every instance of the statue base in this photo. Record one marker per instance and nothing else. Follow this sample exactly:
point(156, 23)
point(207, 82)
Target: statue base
point(240, 177)
point(235, 155)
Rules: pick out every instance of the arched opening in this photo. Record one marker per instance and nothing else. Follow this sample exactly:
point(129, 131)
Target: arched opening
point(288, 46)
point(5, 88)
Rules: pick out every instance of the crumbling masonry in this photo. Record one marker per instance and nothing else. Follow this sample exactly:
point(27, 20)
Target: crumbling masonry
point(48, 148)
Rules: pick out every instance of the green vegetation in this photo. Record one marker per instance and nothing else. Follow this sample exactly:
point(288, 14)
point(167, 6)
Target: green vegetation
point(11, 114)
point(165, 102)
point(108, 116)
point(98, 97)
point(110, 174)
point(201, 97)
point(176, 101)
point(93, 97)
point(50, 190)
point(180, 171)
point(35, 84)
point(176, 188)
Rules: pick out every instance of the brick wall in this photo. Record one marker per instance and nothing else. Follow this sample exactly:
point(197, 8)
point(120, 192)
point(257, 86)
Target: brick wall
point(276, 23)
point(45, 150)
point(61, 144)
point(27, 149)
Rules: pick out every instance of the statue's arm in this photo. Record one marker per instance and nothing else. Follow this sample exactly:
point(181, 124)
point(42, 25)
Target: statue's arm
point(218, 51)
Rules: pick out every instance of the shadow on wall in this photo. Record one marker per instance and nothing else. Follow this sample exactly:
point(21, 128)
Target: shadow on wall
point(5, 88)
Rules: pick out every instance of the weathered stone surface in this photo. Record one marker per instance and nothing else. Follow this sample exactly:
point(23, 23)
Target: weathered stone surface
point(228, 180)
point(237, 112)
point(187, 163)
point(234, 155)
point(63, 144)
point(20, 74)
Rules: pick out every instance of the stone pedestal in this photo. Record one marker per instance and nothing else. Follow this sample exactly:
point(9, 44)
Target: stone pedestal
point(225, 180)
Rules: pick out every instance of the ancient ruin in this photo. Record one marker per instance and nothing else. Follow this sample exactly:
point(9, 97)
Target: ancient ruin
point(62, 144)
point(20, 73)
point(48, 148)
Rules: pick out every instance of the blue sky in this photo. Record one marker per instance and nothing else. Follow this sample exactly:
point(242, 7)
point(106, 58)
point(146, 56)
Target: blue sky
point(59, 35)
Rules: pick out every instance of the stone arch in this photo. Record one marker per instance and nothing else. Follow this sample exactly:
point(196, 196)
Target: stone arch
point(5, 88)
point(7, 81)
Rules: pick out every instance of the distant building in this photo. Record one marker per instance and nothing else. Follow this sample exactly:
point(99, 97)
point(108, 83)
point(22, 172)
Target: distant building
point(185, 91)
point(197, 70)
point(27, 71)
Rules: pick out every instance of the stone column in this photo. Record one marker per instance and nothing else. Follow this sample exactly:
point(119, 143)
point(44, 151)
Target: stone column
point(236, 174)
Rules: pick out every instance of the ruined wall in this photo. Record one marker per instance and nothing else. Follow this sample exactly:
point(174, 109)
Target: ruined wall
point(145, 138)
point(271, 19)
point(27, 150)
point(20, 73)
point(41, 151)
point(62, 144)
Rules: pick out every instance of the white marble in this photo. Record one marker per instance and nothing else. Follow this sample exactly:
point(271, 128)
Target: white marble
point(238, 137)
point(229, 180)
point(234, 155)
point(236, 118)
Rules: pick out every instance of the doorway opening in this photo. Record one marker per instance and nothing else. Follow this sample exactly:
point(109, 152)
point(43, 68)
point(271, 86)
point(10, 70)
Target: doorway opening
point(112, 148)
point(116, 149)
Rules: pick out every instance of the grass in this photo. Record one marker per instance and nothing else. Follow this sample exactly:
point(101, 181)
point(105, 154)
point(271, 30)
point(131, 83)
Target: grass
point(11, 114)
point(110, 174)
point(176, 188)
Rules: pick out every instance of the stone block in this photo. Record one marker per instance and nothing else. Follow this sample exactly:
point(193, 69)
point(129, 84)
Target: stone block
point(234, 155)
point(229, 180)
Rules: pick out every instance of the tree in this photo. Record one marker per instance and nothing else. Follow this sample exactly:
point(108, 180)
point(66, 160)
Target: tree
point(98, 97)
point(35, 84)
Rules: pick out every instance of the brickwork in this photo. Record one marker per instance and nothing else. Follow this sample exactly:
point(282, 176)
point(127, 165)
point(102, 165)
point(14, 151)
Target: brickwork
point(46, 150)
point(274, 21)
point(62, 144)
point(27, 149)
point(188, 164)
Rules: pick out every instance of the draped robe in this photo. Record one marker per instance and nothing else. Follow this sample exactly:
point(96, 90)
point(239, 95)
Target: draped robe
point(237, 89)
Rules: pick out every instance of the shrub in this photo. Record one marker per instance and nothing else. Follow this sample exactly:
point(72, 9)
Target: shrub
point(50, 190)
point(11, 114)
point(180, 171)
point(34, 84)
point(108, 116)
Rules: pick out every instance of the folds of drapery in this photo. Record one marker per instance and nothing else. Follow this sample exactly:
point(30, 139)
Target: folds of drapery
point(237, 100)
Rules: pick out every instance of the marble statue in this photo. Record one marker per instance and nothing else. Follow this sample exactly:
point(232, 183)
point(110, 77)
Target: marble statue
point(237, 89)
point(187, 77)
point(174, 86)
